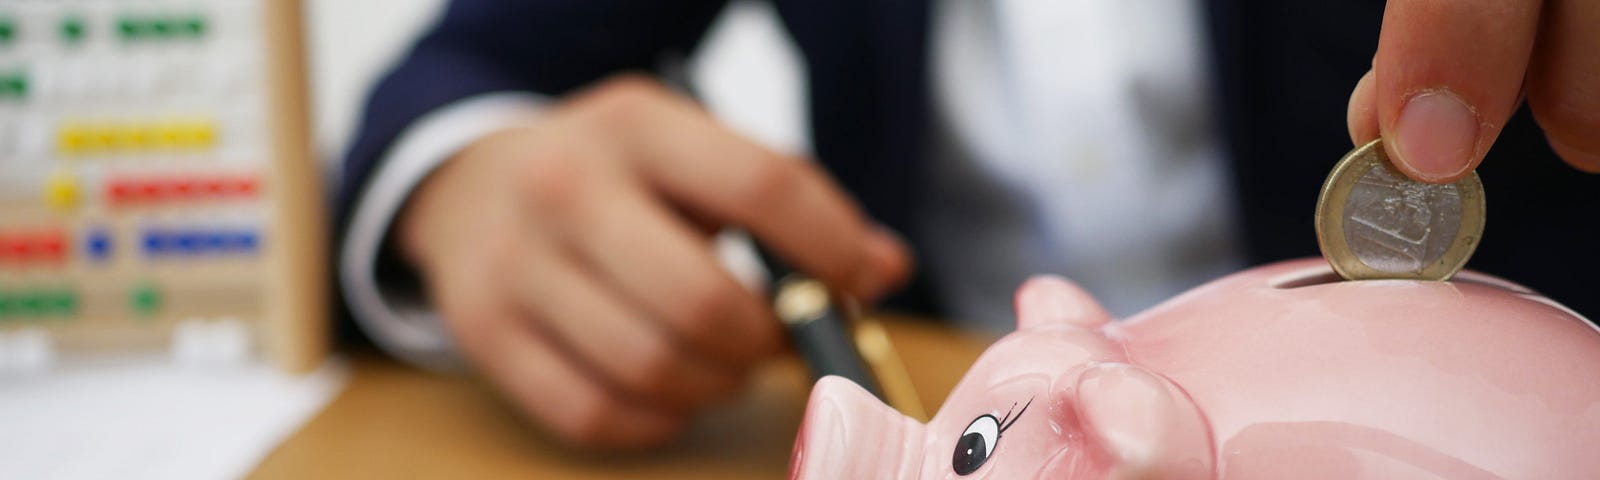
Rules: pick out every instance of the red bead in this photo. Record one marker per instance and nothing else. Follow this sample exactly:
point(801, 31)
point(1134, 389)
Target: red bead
point(175, 188)
point(19, 248)
point(10, 248)
point(121, 191)
point(51, 245)
point(247, 186)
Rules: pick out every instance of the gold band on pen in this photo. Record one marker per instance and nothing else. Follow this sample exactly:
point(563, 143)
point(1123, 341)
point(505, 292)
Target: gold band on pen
point(872, 339)
point(800, 301)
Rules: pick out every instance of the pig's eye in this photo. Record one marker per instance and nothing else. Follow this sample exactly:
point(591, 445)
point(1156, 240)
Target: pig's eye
point(978, 441)
point(975, 445)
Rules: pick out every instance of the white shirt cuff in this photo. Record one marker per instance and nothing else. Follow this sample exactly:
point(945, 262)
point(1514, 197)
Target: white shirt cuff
point(400, 322)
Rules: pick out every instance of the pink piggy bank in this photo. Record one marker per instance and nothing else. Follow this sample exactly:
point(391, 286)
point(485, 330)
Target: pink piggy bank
point(1277, 372)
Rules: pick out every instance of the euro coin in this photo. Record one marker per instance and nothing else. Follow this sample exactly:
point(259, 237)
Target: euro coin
point(1373, 222)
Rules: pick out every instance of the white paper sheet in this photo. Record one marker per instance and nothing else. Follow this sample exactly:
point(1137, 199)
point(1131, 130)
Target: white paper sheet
point(154, 419)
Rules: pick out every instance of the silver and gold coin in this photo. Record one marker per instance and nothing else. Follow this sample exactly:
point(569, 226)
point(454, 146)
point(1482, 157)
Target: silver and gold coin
point(1373, 222)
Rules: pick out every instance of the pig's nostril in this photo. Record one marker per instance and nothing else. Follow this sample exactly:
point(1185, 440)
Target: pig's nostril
point(797, 457)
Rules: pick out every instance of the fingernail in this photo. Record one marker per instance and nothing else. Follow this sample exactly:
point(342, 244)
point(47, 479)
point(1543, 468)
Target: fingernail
point(1436, 136)
point(1579, 159)
point(885, 262)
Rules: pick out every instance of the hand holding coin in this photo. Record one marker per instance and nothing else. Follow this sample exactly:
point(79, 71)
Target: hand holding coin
point(1448, 74)
point(1374, 222)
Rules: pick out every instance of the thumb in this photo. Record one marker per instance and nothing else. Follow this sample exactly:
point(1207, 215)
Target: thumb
point(1447, 76)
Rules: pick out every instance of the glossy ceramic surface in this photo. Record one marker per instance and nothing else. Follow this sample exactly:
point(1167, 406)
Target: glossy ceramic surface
point(1276, 372)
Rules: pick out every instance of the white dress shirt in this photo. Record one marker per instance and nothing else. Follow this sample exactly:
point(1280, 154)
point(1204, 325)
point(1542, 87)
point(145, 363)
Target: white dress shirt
point(397, 320)
point(1074, 137)
point(1077, 139)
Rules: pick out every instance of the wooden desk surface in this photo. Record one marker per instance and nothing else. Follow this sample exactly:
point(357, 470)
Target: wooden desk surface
point(393, 421)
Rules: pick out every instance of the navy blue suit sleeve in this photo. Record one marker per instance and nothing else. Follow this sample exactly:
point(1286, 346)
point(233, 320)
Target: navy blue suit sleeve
point(543, 46)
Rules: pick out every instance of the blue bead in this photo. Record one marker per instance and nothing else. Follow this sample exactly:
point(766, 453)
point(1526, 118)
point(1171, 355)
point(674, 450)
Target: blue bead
point(98, 245)
point(190, 242)
point(217, 242)
point(246, 241)
point(154, 243)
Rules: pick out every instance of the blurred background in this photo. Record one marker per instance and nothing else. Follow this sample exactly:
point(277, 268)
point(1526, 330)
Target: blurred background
point(748, 71)
point(164, 273)
point(149, 253)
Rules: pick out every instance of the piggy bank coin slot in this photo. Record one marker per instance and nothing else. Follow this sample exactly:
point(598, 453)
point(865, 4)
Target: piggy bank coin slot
point(1475, 278)
point(1305, 278)
point(1325, 276)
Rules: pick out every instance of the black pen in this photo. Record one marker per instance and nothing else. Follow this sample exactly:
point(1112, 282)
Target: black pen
point(833, 338)
point(823, 336)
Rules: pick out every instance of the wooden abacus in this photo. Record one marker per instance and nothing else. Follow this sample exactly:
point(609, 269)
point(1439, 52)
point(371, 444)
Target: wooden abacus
point(157, 188)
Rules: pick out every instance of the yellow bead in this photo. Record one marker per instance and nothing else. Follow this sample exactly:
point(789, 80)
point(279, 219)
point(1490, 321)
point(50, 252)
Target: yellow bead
point(204, 134)
point(123, 137)
point(140, 137)
point(71, 139)
point(169, 136)
point(103, 138)
point(61, 191)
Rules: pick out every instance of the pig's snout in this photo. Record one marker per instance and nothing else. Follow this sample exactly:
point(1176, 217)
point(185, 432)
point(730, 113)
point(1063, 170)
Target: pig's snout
point(848, 433)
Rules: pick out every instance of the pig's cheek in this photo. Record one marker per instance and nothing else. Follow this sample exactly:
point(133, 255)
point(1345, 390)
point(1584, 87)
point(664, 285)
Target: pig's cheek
point(1073, 461)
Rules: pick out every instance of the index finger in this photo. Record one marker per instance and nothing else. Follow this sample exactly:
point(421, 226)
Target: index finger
point(1448, 74)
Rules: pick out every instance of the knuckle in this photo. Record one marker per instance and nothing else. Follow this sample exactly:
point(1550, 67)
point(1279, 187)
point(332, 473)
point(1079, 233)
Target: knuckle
point(1569, 117)
point(502, 262)
point(473, 327)
point(553, 181)
point(587, 423)
point(654, 362)
point(624, 99)
point(630, 82)
point(470, 310)
point(701, 304)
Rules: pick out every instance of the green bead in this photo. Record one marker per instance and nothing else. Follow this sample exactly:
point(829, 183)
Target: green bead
point(14, 85)
point(129, 28)
point(162, 27)
point(7, 306)
point(8, 31)
point(146, 300)
point(31, 304)
point(73, 30)
point(66, 303)
point(194, 26)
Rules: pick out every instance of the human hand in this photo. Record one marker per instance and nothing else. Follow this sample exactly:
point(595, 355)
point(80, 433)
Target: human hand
point(1448, 74)
point(571, 258)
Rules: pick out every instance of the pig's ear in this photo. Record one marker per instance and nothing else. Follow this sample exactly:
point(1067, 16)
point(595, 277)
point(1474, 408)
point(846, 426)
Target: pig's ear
point(1050, 300)
point(1146, 426)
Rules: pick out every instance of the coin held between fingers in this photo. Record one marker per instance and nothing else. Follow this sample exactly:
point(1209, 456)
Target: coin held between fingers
point(1373, 222)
